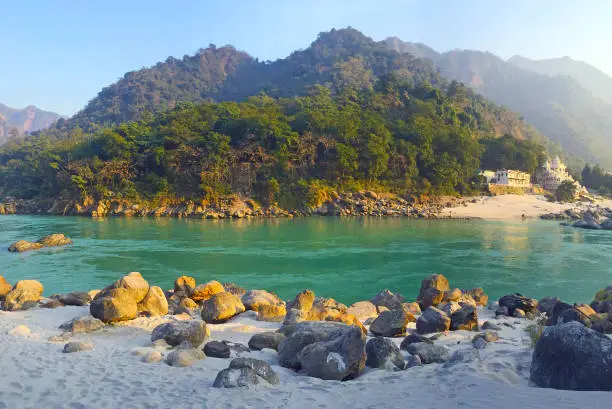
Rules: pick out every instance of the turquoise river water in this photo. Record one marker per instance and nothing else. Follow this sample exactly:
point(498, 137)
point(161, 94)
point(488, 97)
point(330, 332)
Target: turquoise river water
point(349, 259)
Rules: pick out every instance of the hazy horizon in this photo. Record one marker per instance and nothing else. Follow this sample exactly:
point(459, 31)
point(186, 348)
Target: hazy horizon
point(69, 50)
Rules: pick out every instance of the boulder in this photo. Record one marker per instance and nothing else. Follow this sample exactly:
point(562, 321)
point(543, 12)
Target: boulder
point(363, 310)
point(465, 318)
point(75, 298)
point(514, 301)
point(54, 240)
point(204, 292)
point(587, 224)
point(413, 339)
point(26, 294)
point(559, 308)
point(382, 353)
point(603, 326)
point(388, 299)
point(303, 301)
point(585, 309)
point(234, 289)
point(432, 290)
point(77, 346)
point(449, 307)
point(478, 295)
point(184, 357)
point(133, 284)
point(271, 313)
point(152, 357)
point(429, 353)
point(245, 372)
point(154, 303)
point(480, 341)
point(572, 357)
point(547, 304)
point(5, 288)
point(253, 299)
point(116, 305)
point(391, 323)
point(217, 349)
point(184, 285)
point(22, 245)
point(326, 350)
point(51, 303)
point(412, 308)
point(82, 325)
point(221, 307)
point(263, 340)
point(452, 295)
point(433, 320)
point(176, 332)
point(606, 224)
point(574, 314)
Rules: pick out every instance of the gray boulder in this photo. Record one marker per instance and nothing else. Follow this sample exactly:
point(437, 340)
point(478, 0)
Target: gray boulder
point(326, 350)
point(217, 349)
point(606, 224)
point(465, 318)
point(572, 357)
point(518, 301)
point(77, 346)
point(245, 372)
point(547, 304)
point(491, 326)
point(382, 353)
point(391, 323)
point(433, 320)
point(263, 340)
point(76, 298)
point(413, 339)
point(388, 299)
point(587, 224)
point(84, 324)
point(429, 353)
point(175, 332)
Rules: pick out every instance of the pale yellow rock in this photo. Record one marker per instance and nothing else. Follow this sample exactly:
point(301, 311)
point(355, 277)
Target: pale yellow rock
point(206, 291)
point(154, 303)
point(20, 330)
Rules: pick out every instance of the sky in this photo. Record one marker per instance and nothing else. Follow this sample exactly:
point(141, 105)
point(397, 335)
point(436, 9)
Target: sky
point(58, 54)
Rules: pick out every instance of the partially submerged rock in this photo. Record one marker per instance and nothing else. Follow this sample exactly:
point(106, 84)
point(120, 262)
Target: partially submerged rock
point(53, 240)
point(571, 356)
point(23, 245)
point(326, 350)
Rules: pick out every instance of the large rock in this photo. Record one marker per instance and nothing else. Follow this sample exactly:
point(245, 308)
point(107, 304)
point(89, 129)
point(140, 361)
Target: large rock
point(384, 354)
point(518, 301)
point(465, 318)
point(412, 308)
point(22, 245)
point(263, 340)
point(388, 299)
point(184, 357)
point(253, 299)
point(82, 325)
point(75, 298)
point(559, 308)
point(271, 313)
point(26, 294)
point(5, 288)
point(478, 295)
point(432, 290)
point(221, 307)
point(574, 314)
point(204, 292)
point(602, 300)
point(244, 372)
point(234, 289)
point(433, 320)
point(303, 301)
point(184, 285)
point(326, 350)
point(135, 286)
point(363, 310)
point(54, 240)
point(571, 356)
point(547, 304)
point(217, 349)
point(414, 339)
point(154, 303)
point(116, 305)
point(391, 323)
point(177, 332)
point(429, 353)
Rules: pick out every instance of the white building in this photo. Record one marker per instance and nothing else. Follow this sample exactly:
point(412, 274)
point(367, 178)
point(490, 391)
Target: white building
point(512, 178)
point(552, 173)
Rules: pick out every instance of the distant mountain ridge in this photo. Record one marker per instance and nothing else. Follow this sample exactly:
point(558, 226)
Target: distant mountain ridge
point(591, 78)
point(561, 107)
point(19, 121)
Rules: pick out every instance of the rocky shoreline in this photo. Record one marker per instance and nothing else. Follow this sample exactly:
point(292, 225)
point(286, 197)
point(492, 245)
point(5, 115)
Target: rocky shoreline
point(365, 203)
point(325, 339)
point(596, 218)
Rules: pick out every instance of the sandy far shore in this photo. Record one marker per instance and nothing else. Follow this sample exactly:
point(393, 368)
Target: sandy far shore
point(36, 374)
point(512, 207)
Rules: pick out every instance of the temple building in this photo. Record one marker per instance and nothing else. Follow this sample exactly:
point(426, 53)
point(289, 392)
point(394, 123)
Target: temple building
point(552, 173)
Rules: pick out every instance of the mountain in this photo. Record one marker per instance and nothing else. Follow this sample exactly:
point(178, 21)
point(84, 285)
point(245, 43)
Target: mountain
point(559, 107)
point(336, 59)
point(19, 121)
point(591, 78)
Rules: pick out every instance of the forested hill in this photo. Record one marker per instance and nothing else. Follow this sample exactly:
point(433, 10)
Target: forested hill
point(15, 122)
point(560, 107)
point(337, 59)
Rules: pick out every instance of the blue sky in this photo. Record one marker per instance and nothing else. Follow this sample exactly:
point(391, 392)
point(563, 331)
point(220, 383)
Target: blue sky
point(58, 54)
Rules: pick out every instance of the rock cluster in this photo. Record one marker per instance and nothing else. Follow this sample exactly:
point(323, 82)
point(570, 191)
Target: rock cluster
point(53, 240)
point(594, 218)
point(25, 294)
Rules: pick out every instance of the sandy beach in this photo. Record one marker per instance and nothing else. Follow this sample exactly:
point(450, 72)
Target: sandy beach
point(513, 207)
point(37, 374)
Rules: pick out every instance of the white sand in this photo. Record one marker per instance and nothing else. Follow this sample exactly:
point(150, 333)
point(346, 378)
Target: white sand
point(512, 207)
point(36, 374)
